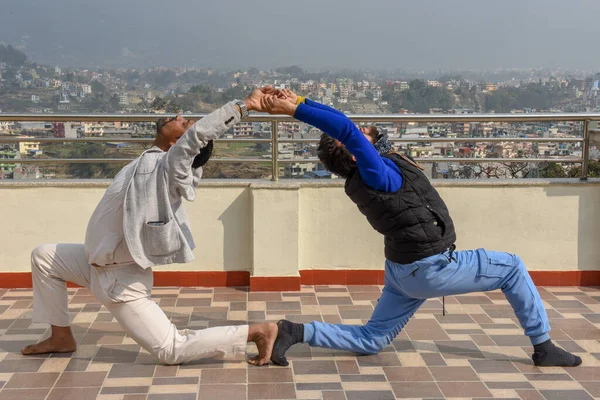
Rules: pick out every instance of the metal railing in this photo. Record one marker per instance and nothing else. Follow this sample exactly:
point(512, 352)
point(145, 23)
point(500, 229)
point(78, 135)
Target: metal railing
point(275, 160)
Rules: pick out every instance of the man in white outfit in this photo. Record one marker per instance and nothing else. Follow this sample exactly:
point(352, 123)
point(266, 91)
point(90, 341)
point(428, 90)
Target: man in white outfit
point(141, 223)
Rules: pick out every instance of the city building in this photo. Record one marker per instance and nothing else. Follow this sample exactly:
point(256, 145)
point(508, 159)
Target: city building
point(67, 130)
point(123, 99)
point(243, 129)
point(29, 147)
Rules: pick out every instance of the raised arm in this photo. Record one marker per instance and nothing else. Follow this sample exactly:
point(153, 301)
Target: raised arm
point(296, 99)
point(180, 157)
point(373, 170)
point(323, 107)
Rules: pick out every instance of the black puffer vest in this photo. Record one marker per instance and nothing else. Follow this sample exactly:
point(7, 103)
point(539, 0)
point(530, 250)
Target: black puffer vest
point(414, 220)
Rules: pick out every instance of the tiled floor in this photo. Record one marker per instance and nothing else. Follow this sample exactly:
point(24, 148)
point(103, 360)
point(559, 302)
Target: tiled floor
point(476, 351)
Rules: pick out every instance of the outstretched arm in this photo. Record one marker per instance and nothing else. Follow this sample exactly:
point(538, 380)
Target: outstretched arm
point(373, 170)
point(294, 98)
point(179, 161)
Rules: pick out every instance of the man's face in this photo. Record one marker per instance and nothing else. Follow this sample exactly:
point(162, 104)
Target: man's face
point(369, 134)
point(174, 128)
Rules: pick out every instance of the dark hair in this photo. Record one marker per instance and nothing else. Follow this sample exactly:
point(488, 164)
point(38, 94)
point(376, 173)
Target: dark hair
point(336, 159)
point(162, 122)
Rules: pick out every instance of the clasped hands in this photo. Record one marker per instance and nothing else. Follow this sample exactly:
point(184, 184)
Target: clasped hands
point(272, 101)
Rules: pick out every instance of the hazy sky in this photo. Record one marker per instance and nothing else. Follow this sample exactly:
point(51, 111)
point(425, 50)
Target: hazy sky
point(322, 34)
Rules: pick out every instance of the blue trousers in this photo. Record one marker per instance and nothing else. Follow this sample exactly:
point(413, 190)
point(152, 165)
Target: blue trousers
point(407, 286)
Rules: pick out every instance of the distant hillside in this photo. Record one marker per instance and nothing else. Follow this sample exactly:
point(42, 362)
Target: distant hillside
point(12, 56)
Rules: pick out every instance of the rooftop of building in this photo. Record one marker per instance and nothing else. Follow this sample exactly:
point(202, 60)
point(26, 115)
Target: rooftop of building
point(263, 237)
point(477, 350)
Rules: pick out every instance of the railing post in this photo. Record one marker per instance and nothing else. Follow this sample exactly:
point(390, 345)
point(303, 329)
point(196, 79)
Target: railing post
point(275, 150)
point(585, 166)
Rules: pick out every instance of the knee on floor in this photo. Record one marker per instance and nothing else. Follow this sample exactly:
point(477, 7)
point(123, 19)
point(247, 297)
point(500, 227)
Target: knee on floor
point(375, 341)
point(168, 357)
point(375, 346)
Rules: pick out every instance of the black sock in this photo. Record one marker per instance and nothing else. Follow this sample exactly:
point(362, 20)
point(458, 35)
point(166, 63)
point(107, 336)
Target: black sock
point(288, 335)
point(548, 355)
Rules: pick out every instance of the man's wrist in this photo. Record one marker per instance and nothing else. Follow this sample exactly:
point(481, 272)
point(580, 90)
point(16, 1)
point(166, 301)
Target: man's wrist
point(242, 106)
point(248, 105)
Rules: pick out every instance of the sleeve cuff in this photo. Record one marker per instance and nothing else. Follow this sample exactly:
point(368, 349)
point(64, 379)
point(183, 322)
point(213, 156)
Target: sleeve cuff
point(300, 112)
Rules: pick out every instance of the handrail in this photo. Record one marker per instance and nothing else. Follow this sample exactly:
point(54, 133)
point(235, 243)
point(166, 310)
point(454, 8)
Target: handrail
point(451, 140)
point(275, 159)
point(5, 139)
point(258, 117)
point(228, 160)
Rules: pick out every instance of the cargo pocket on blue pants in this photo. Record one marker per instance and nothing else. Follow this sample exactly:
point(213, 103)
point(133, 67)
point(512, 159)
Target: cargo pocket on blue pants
point(493, 264)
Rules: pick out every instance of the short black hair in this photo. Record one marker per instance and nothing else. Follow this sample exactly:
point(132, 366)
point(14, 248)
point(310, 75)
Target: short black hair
point(336, 159)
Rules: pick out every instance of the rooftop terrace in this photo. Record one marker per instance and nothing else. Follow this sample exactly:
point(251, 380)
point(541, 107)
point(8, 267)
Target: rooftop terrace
point(261, 248)
point(476, 350)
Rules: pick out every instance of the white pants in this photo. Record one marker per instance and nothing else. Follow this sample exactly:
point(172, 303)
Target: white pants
point(125, 292)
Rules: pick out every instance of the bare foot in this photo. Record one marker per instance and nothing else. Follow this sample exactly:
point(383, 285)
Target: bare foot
point(51, 345)
point(264, 336)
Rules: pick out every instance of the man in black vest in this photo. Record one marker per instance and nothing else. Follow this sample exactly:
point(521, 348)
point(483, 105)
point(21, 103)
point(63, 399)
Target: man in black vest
point(421, 262)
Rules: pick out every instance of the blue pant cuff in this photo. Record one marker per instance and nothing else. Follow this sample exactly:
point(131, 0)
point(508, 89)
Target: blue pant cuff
point(538, 339)
point(309, 332)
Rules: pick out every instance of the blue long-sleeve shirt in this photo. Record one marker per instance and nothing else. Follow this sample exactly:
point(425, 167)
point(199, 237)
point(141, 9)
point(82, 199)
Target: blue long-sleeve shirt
point(377, 172)
point(323, 107)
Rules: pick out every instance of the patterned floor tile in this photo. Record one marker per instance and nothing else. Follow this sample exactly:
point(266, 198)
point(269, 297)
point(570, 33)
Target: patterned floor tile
point(475, 351)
